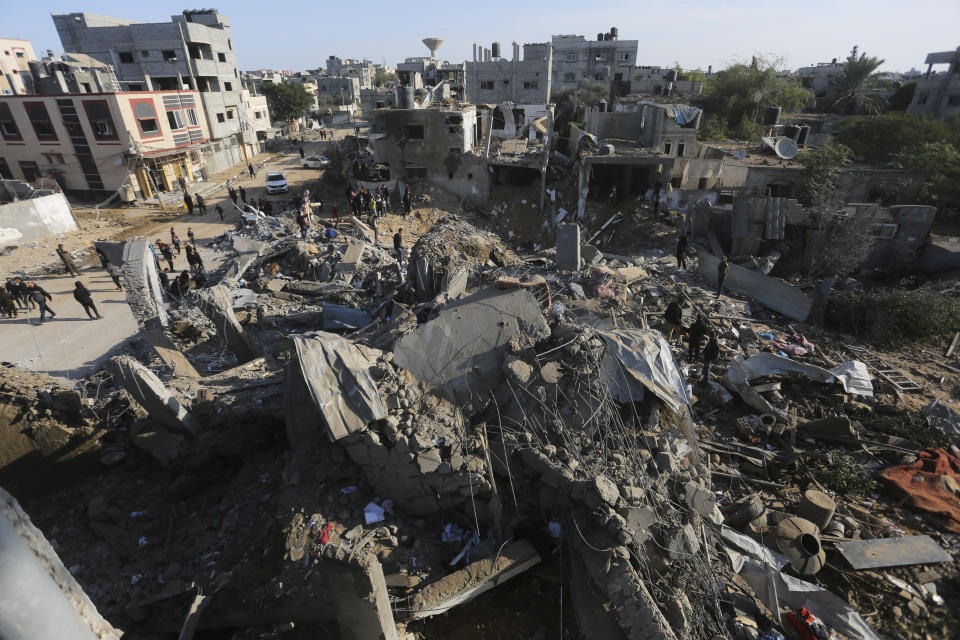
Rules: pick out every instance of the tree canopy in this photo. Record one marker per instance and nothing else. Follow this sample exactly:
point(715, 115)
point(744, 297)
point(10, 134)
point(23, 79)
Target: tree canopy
point(902, 97)
point(848, 95)
point(381, 77)
point(886, 138)
point(571, 104)
point(737, 95)
point(287, 101)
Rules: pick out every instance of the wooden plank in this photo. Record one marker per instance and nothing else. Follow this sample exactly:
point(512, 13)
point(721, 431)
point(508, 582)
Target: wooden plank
point(892, 552)
point(953, 344)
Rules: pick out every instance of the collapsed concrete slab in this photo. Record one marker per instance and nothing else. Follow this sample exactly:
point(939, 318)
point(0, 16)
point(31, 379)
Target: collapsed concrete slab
point(352, 256)
point(770, 292)
point(248, 250)
point(466, 584)
point(169, 353)
point(217, 304)
point(143, 289)
point(39, 599)
point(150, 393)
point(568, 247)
point(462, 350)
point(341, 394)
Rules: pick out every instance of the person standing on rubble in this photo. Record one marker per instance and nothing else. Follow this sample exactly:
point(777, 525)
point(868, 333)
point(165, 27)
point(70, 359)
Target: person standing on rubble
point(303, 224)
point(682, 243)
point(233, 195)
point(398, 245)
point(376, 231)
point(38, 295)
point(722, 269)
point(82, 295)
point(334, 215)
point(67, 260)
point(710, 354)
point(696, 333)
point(166, 252)
point(673, 317)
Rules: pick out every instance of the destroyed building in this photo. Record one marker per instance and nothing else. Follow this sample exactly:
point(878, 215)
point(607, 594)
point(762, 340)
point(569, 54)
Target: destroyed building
point(938, 92)
point(608, 60)
point(492, 79)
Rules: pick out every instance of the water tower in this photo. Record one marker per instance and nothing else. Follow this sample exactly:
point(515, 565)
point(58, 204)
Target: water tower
point(433, 44)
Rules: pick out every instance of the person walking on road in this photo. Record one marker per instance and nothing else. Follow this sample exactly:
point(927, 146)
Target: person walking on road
point(192, 238)
point(175, 240)
point(7, 307)
point(67, 261)
point(722, 269)
point(253, 174)
point(243, 195)
point(201, 205)
point(219, 211)
point(166, 252)
point(233, 195)
point(38, 295)
point(16, 294)
point(82, 295)
point(302, 156)
point(187, 200)
point(114, 272)
point(25, 293)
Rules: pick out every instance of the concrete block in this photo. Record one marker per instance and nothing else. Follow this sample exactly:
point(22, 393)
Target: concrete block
point(429, 461)
point(151, 394)
point(568, 247)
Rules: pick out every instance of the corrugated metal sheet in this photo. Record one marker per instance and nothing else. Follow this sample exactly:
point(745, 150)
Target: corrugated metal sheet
point(337, 375)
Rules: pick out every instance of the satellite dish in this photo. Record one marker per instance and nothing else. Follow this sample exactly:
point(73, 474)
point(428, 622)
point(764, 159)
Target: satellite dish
point(785, 148)
point(757, 97)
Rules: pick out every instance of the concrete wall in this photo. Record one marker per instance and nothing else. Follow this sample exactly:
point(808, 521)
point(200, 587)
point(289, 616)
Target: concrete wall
point(14, 56)
point(526, 81)
point(591, 60)
point(39, 599)
point(35, 219)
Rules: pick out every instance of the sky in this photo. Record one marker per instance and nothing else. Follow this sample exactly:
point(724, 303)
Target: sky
point(297, 34)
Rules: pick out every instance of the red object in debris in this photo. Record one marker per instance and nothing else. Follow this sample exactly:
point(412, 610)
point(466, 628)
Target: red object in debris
point(927, 484)
point(604, 291)
point(325, 536)
point(800, 621)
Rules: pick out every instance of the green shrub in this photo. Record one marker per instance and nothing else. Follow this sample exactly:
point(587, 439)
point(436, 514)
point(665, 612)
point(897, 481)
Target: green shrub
point(895, 317)
point(842, 474)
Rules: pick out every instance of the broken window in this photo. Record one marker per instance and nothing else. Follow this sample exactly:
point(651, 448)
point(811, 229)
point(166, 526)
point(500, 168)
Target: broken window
point(454, 119)
point(53, 158)
point(170, 55)
point(624, 56)
point(413, 132)
point(125, 57)
point(680, 148)
point(667, 147)
point(598, 76)
point(531, 84)
point(498, 120)
point(228, 86)
point(31, 170)
point(702, 184)
point(8, 127)
point(5, 170)
point(486, 85)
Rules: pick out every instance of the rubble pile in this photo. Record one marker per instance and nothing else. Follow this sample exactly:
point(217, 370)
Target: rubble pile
point(325, 442)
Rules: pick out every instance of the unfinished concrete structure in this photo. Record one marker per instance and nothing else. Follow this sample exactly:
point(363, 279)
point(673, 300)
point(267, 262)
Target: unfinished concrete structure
point(194, 51)
point(492, 79)
point(433, 144)
point(938, 94)
point(362, 70)
point(608, 60)
point(15, 58)
point(662, 81)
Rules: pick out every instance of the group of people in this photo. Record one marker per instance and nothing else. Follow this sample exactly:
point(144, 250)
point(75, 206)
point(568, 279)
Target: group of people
point(196, 202)
point(696, 333)
point(194, 261)
point(364, 202)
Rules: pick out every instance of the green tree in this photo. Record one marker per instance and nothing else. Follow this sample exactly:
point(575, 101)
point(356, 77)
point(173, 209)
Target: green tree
point(941, 161)
point(887, 137)
point(902, 97)
point(738, 93)
point(820, 181)
point(571, 104)
point(848, 95)
point(381, 77)
point(287, 101)
point(689, 74)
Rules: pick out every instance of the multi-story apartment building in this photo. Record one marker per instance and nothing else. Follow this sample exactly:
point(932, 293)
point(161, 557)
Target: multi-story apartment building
point(194, 51)
point(938, 94)
point(362, 70)
point(94, 144)
point(15, 56)
point(607, 60)
point(494, 80)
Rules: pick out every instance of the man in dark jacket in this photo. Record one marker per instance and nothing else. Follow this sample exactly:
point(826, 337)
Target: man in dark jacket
point(201, 205)
point(398, 245)
point(673, 317)
point(7, 307)
point(696, 332)
point(710, 354)
point(233, 194)
point(243, 195)
point(25, 293)
point(722, 269)
point(82, 295)
point(16, 294)
point(38, 295)
point(67, 261)
point(114, 272)
point(187, 200)
point(682, 251)
point(167, 253)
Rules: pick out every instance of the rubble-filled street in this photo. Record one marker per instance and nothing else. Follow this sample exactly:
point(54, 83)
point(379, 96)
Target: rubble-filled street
point(414, 353)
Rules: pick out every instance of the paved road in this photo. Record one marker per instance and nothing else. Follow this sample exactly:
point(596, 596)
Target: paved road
point(71, 345)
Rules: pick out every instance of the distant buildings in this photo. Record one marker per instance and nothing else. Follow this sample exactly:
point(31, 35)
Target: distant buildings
point(607, 60)
point(14, 56)
point(362, 70)
point(938, 94)
point(491, 79)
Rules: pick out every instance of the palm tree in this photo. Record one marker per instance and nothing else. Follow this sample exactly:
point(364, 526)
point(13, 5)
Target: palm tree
point(849, 96)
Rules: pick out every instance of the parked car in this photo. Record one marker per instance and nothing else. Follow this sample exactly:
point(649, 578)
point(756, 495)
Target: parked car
point(276, 183)
point(316, 162)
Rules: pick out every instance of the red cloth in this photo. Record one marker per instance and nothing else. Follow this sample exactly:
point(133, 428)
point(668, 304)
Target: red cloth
point(924, 485)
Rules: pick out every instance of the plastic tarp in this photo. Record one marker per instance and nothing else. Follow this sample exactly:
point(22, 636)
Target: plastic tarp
point(685, 114)
point(337, 376)
point(646, 356)
point(852, 375)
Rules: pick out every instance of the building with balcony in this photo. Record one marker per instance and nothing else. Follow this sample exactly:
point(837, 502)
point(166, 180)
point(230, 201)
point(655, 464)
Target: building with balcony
point(938, 92)
point(194, 51)
point(93, 145)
